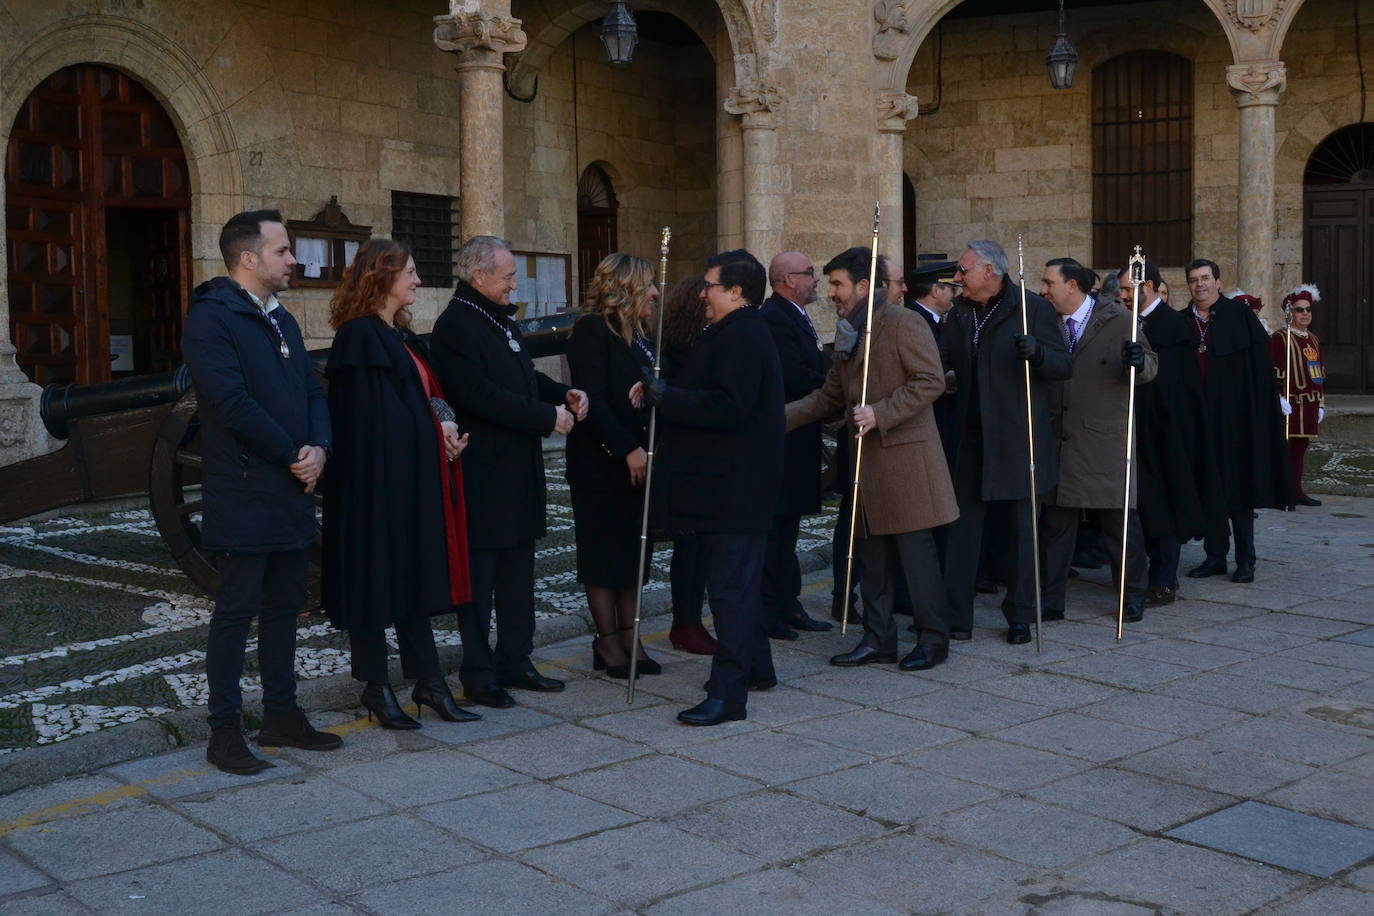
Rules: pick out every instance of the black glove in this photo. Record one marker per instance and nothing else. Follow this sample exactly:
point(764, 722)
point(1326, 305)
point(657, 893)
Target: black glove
point(1029, 349)
point(1133, 354)
point(654, 388)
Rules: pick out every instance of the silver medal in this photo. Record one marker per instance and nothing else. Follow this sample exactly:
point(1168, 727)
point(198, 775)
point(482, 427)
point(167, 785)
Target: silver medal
point(514, 344)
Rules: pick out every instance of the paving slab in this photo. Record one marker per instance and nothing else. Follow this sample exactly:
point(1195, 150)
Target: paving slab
point(867, 686)
point(1277, 836)
point(1121, 670)
point(1364, 637)
point(229, 881)
point(1350, 609)
point(657, 727)
point(657, 785)
point(785, 705)
point(184, 773)
point(1135, 799)
point(556, 751)
point(1337, 654)
point(1231, 690)
point(591, 697)
point(497, 886)
point(524, 816)
point(968, 710)
point(1189, 653)
point(995, 763)
point(773, 758)
point(111, 841)
point(1302, 624)
point(1246, 636)
point(1205, 765)
point(66, 798)
point(1056, 691)
point(776, 890)
point(494, 724)
point(1326, 901)
point(58, 904)
point(1332, 793)
point(1305, 740)
point(1294, 672)
point(15, 876)
point(1173, 715)
point(276, 808)
point(425, 777)
point(875, 732)
point(1028, 831)
point(795, 826)
point(1083, 736)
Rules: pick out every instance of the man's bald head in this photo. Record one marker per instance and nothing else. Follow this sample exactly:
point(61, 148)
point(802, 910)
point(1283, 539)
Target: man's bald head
point(793, 276)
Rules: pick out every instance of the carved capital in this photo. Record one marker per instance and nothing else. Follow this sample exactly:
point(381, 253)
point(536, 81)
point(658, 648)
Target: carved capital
point(1257, 82)
point(1254, 14)
point(895, 109)
point(890, 16)
point(479, 38)
point(759, 104)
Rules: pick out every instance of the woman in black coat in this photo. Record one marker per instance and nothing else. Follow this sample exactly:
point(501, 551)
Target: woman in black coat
point(607, 352)
point(395, 538)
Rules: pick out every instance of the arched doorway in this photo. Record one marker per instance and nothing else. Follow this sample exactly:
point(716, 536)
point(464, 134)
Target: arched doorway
point(596, 222)
point(97, 201)
point(1338, 253)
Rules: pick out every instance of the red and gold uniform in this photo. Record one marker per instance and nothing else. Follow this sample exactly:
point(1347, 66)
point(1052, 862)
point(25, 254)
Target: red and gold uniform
point(1297, 356)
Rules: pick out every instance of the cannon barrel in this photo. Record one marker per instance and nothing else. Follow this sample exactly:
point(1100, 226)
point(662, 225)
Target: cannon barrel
point(61, 404)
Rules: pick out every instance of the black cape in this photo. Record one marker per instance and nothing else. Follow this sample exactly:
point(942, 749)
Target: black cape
point(385, 554)
point(1171, 469)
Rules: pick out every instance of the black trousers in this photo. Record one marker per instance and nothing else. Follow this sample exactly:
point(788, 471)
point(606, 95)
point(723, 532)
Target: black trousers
point(687, 579)
point(415, 639)
point(1163, 552)
point(270, 587)
point(839, 550)
point(503, 584)
point(1058, 533)
point(734, 577)
point(782, 572)
point(886, 558)
point(1217, 543)
point(964, 542)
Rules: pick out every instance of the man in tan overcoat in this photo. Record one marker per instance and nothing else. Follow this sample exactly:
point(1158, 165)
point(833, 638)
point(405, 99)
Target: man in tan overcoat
point(904, 486)
point(1089, 413)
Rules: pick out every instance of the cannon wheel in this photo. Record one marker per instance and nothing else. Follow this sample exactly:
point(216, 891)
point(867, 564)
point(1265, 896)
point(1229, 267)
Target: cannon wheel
point(174, 494)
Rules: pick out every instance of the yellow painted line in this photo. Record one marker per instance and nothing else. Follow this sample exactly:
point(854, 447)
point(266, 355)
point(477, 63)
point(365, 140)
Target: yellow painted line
point(75, 806)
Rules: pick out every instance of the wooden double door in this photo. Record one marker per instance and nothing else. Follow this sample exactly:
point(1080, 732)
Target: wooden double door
point(1338, 256)
point(97, 207)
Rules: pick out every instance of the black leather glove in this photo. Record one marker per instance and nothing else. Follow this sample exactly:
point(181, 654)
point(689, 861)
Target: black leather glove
point(654, 388)
point(951, 382)
point(1133, 354)
point(1029, 349)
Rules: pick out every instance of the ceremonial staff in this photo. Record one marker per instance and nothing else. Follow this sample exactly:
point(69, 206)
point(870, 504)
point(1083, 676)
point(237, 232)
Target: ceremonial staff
point(1030, 440)
point(1136, 274)
point(863, 400)
point(1288, 372)
point(644, 546)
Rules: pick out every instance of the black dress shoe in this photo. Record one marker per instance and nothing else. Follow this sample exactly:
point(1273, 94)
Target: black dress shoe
point(533, 680)
point(1051, 615)
point(492, 696)
point(229, 752)
point(862, 655)
point(1244, 574)
point(712, 712)
point(779, 631)
point(1308, 501)
point(961, 635)
point(1134, 612)
point(986, 587)
point(763, 683)
point(293, 729)
point(1160, 595)
point(805, 622)
point(923, 657)
point(1208, 568)
point(1018, 634)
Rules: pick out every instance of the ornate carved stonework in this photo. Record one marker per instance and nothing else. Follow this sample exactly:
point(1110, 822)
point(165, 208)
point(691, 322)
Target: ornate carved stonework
point(1254, 14)
point(758, 103)
point(892, 26)
point(12, 425)
point(766, 19)
point(895, 109)
point(1257, 82)
point(479, 36)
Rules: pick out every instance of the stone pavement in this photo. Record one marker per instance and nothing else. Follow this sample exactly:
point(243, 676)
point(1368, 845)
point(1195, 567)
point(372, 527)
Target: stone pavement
point(1220, 759)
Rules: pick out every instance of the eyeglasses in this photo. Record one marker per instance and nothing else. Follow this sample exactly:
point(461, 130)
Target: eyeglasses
point(809, 272)
point(961, 269)
point(709, 284)
point(1301, 308)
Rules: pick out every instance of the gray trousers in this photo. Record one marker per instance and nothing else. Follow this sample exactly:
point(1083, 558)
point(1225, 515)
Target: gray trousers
point(880, 557)
point(1059, 530)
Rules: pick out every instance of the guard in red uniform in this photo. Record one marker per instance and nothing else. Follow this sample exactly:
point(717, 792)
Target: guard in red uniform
point(1297, 356)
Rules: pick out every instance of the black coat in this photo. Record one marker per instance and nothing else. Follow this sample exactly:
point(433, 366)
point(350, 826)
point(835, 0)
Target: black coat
point(1169, 430)
point(1001, 389)
point(606, 367)
point(945, 404)
point(257, 409)
point(384, 547)
point(1241, 410)
point(507, 408)
point(937, 328)
point(723, 432)
point(803, 371)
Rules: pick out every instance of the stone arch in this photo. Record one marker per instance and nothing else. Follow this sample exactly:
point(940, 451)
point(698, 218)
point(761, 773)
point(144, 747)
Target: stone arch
point(179, 83)
point(548, 30)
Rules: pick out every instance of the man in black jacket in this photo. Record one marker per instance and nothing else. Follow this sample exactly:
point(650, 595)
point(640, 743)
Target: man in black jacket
point(793, 278)
point(264, 437)
point(722, 447)
point(507, 407)
point(987, 443)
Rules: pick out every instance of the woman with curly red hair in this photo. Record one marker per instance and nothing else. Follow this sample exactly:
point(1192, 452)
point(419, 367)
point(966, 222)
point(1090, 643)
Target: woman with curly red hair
point(395, 538)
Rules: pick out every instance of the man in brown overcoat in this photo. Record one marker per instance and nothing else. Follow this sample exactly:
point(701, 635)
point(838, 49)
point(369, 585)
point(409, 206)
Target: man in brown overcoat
point(904, 486)
point(1089, 412)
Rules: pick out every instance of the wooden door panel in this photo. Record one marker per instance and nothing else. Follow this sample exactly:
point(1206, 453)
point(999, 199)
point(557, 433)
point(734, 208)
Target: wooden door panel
point(1337, 243)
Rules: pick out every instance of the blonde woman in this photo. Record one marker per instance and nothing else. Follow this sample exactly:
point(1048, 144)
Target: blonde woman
point(607, 351)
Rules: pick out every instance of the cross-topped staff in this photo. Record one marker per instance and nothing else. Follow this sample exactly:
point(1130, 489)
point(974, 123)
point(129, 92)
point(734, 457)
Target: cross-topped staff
point(1030, 440)
point(1136, 277)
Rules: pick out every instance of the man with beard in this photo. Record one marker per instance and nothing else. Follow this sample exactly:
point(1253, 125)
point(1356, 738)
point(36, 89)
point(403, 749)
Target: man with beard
point(507, 407)
point(988, 444)
point(793, 278)
point(1245, 441)
point(904, 486)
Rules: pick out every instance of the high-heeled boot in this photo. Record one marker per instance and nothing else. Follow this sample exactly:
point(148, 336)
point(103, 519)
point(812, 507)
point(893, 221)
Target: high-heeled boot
point(692, 637)
point(599, 661)
point(435, 693)
point(380, 700)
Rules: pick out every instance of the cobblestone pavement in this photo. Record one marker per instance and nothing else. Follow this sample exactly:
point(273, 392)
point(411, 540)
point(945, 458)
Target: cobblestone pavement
point(1219, 759)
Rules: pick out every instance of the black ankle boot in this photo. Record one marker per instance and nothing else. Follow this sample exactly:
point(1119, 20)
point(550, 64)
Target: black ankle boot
point(293, 729)
point(229, 752)
point(380, 700)
point(434, 693)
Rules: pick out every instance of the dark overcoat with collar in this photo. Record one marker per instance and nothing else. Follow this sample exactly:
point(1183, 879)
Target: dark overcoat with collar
point(257, 409)
point(1089, 411)
point(723, 432)
point(1002, 391)
point(507, 407)
point(803, 371)
point(606, 367)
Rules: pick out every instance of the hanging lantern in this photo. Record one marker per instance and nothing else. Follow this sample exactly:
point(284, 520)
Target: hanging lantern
point(1062, 61)
point(618, 33)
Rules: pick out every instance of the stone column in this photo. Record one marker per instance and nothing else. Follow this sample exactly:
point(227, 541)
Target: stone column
point(894, 110)
point(480, 38)
point(763, 186)
point(1256, 86)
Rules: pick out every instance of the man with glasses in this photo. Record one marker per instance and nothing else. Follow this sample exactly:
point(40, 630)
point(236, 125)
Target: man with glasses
point(988, 443)
point(793, 278)
point(1245, 440)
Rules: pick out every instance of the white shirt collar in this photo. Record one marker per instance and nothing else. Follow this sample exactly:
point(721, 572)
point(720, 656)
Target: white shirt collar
point(1199, 315)
point(795, 306)
point(271, 305)
point(929, 311)
point(1151, 307)
point(1084, 310)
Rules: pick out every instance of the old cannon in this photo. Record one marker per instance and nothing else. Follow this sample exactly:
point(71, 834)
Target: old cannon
point(142, 435)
